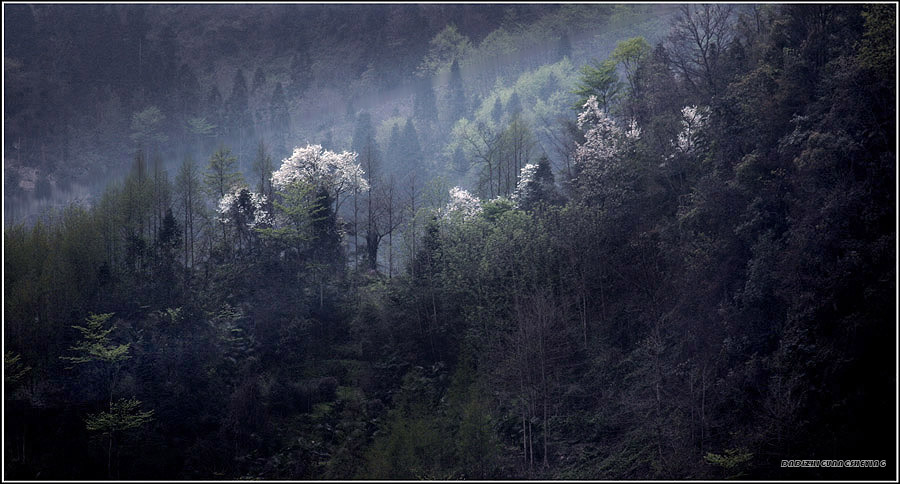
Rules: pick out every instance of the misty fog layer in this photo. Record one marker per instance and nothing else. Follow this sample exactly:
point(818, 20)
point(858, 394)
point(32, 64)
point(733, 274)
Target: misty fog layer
point(77, 77)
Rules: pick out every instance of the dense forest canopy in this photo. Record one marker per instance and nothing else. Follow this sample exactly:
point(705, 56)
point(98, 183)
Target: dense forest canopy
point(438, 241)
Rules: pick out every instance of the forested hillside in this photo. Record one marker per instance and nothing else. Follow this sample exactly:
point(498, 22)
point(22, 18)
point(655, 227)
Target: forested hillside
point(87, 84)
point(449, 241)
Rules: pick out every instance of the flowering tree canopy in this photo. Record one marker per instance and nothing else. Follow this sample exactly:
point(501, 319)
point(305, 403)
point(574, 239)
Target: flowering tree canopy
point(599, 160)
point(692, 120)
point(243, 207)
point(527, 179)
point(462, 202)
point(536, 185)
point(336, 172)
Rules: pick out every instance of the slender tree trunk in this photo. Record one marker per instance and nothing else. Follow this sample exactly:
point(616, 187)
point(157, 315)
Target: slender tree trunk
point(391, 228)
point(658, 379)
point(546, 431)
point(543, 327)
point(702, 406)
point(109, 457)
point(584, 314)
point(530, 446)
point(524, 437)
point(434, 318)
point(693, 412)
point(355, 229)
point(412, 203)
point(24, 434)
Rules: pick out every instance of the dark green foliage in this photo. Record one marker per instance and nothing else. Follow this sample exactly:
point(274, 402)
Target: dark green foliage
point(513, 106)
point(363, 135)
point(411, 148)
point(424, 104)
point(540, 191)
point(716, 295)
point(259, 81)
point(280, 119)
point(497, 110)
point(214, 106)
point(456, 94)
point(564, 48)
point(238, 121)
point(237, 103)
point(42, 189)
point(301, 74)
point(263, 166)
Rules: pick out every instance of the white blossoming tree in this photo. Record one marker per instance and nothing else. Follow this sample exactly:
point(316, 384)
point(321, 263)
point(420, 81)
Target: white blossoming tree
point(308, 194)
point(462, 204)
point(243, 206)
point(527, 179)
point(244, 211)
point(536, 185)
point(602, 172)
point(336, 172)
point(693, 119)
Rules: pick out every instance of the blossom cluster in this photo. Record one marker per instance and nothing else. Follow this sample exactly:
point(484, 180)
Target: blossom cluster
point(634, 131)
point(241, 205)
point(602, 136)
point(313, 164)
point(526, 181)
point(692, 120)
point(462, 202)
point(602, 173)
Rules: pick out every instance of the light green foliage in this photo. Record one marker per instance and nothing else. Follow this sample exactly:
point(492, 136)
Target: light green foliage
point(487, 259)
point(412, 443)
point(173, 316)
point(511, 252)
point(63, 251)
point(146, 126)
point(878, 48)
point(629, 54)
point(230, 338)
point(544, 85)
point(13, 368)
point(598, 79)
point(123, 414)
point(493, 59)
point(543, 93)
point(733, 460)
point(624, 16)
point(298, 209)
point(199, 126)
point(410, 450)
point(581, 16)
point(95, 344)
point(383, 131)
point(221, 173)
point(469, 406)
point(498, 43)
point(448, 45)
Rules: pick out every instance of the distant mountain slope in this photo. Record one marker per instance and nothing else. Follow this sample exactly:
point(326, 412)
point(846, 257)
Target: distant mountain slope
point(75, 75)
